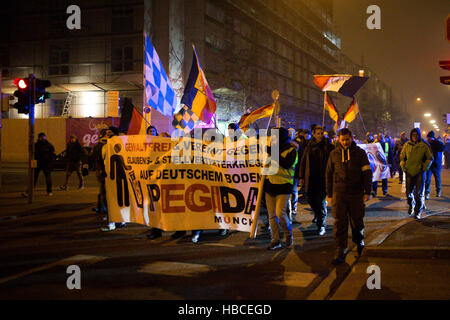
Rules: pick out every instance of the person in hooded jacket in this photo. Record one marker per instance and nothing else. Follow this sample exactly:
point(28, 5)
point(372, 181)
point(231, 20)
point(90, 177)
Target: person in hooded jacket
point(348, 184)
point(415, 160)
point(312, 175)
point(278, 187)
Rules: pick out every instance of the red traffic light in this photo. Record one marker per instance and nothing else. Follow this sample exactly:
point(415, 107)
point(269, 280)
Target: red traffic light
point(20, 83)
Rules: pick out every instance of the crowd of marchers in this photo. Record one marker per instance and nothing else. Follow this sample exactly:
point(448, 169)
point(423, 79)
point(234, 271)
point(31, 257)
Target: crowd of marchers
point(323, 170)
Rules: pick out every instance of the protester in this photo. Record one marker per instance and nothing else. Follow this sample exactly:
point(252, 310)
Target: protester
point(369, 138)
point(100, 172)
point(397, 151)
point(74, 155)
point(312, 175)
point(391, 144)
point(415, 160)
point(44, 153)
point(111, 132)
point(151, 130)
point(388, 154)
point(348, 184)
point(437, 148)
point(278, 187)
point(447, 153)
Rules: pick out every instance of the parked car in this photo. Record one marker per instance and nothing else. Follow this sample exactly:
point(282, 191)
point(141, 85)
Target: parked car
point(60, 161)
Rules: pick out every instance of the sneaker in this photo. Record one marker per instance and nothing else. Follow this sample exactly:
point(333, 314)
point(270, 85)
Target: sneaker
point(223, 232)
point(427, 196)
point(314, 220)
point(25, 194)
point(289, 242)
point(178, 234)
point(121, 225)
point(438, 195)
point(274, 245)
point(196, 238)
point(64, 188)
point(418, 216)
point(410, 211)
point(322, 231)
point(154, 234)
point(110, 227)
point(50, 193)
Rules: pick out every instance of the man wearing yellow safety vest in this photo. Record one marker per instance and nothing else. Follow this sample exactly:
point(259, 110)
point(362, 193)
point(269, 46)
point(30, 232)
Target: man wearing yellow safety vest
point(278, 187)
point(388, 154)
point(348, 182)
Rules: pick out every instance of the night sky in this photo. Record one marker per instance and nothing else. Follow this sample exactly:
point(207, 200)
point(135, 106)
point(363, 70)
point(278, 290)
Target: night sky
point(405, 53)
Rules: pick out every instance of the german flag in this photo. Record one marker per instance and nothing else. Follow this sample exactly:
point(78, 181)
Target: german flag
point(260, 113)
point(330, 107)
point(345, 84)
point(352, 111)
point(137, 123)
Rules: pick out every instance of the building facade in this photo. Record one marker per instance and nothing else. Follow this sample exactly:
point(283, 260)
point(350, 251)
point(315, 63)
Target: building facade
point(247, 48)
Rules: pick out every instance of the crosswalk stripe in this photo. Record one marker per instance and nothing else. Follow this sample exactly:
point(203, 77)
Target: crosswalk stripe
point(85, 259)
point(169, 268)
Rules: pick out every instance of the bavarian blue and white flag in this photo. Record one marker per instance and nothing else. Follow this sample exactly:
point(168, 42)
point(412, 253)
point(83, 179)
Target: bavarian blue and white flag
point(159, 92)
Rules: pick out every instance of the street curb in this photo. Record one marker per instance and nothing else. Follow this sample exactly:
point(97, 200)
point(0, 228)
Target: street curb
point(409, 252)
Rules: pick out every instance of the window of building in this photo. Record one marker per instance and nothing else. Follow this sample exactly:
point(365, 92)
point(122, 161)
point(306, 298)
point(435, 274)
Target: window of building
point(122, 19)
point(215, 12)
point(58, 60)
point(121, 59)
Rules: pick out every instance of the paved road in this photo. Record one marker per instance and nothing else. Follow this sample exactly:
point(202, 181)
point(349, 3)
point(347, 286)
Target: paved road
point(39, 241)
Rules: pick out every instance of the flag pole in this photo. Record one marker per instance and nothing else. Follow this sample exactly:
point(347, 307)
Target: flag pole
point(323, 113)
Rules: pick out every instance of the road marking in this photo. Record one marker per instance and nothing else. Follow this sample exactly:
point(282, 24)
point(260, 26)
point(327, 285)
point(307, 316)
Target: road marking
point(297, 279)
point(169, 268)
point(84, 259)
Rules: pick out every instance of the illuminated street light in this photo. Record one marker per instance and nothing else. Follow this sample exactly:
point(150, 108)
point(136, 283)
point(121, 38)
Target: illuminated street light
point(418, 99)
point(432, 121)
point(427, 114)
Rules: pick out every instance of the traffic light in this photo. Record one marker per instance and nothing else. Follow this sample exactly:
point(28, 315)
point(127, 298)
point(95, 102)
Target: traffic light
point(41, 94)
point(23, 94)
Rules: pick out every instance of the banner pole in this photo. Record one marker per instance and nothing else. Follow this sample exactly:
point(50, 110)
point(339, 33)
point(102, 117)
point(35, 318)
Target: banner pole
point(323, 113)
point(258, 208)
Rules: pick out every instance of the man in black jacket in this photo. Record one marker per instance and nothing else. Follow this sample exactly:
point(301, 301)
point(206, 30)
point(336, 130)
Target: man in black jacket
point(44, 153)
point(396, 154)
point(348, 184)
point(312, 175)
point(437, 148)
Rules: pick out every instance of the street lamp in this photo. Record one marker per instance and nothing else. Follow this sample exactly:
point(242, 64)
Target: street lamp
point(427, 114)
point(418, 99)
point(432, 121)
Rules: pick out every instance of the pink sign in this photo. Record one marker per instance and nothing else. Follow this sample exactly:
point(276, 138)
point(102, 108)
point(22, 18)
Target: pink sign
point(87, 130)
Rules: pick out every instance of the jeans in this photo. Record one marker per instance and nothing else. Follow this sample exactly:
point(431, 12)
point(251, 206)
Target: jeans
point(437, 179)
point(318, 204)
point(384, 186)
point(293, 201)
point(347, 208)
point(400, 175)
point(415, 186)
point(276, 206)
point(48, 178)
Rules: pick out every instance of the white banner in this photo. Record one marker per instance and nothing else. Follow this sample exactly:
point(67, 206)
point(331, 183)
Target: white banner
point(377, 160)
point(150, 182)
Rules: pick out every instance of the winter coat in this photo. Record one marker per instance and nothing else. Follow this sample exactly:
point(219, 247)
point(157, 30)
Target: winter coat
point(416, 157)
point(398, 150)
point(314, 164)
point(437, 148)
point(44, 153)
point(348, 171)
point(74, 151)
